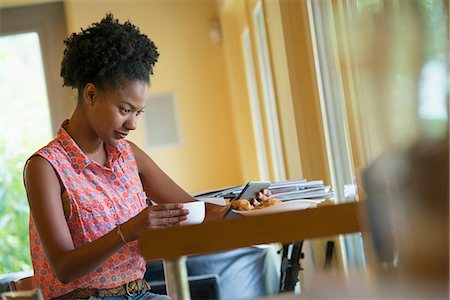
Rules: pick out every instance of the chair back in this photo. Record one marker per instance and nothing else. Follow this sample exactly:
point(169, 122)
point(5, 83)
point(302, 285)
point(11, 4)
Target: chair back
point(23, 284)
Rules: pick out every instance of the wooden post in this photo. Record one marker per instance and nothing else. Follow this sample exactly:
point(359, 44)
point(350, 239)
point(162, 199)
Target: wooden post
point(177, 284)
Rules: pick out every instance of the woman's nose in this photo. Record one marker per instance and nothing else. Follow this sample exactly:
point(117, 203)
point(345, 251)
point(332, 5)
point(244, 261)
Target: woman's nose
point(130, 124)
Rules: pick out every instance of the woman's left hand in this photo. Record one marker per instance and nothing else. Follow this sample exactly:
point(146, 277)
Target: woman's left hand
point(262, 195)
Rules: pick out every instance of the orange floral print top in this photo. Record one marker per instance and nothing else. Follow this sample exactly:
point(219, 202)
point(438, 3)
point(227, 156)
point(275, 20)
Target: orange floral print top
point(100, 198)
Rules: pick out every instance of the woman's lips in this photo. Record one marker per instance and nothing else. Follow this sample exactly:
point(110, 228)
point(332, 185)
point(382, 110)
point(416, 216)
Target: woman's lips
point(121, 135)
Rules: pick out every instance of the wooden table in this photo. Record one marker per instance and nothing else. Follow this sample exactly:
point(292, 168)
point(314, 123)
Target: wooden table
point(172, 244)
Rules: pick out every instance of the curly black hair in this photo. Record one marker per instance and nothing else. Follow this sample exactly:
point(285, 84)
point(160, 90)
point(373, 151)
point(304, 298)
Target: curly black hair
point(108, 54)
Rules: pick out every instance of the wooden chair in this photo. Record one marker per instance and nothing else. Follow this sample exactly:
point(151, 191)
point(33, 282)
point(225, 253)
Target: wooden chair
point(35, 294)
point(22, 289)
point(23, 284)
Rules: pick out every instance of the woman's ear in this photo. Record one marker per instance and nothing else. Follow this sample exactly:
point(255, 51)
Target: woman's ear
point(90, 93)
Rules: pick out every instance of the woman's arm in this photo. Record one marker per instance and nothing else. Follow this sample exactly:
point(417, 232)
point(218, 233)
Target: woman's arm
point(69, 263)
point(160, 187)
point(44, 196)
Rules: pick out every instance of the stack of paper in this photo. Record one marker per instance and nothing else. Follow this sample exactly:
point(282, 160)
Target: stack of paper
point(282, 190)
point(300, 189)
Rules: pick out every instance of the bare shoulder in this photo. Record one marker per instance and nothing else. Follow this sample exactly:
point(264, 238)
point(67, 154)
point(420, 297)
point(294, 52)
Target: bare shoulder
point(139, 154)
point(37, 165)
point(40, 175)
point(144, 163)
point(133, 146)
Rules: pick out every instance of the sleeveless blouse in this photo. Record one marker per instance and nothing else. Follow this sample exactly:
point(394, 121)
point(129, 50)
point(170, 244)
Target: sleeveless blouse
point(100, 198)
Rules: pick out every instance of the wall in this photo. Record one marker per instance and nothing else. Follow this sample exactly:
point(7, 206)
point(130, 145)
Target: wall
point(18, 3)
point(192, 67)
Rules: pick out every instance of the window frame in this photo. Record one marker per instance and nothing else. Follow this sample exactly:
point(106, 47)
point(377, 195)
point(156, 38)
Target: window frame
point(49, 21)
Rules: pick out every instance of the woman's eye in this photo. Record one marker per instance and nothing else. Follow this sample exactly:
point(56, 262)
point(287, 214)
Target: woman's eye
point(125, 110)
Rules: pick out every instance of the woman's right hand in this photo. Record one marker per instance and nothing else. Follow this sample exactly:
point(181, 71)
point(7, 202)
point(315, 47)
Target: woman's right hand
point(155, 216)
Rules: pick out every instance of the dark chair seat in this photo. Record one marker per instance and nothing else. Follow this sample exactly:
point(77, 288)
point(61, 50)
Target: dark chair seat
point(201, 287)
point(241, 274)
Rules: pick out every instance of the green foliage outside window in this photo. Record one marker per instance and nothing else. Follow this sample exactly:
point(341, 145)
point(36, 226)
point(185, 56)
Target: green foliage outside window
point(25, 126)
point(14, 213)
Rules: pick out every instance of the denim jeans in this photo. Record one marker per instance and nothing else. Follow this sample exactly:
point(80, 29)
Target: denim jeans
point(142, 295)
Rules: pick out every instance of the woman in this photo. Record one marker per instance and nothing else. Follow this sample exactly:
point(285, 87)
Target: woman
point(87, 188)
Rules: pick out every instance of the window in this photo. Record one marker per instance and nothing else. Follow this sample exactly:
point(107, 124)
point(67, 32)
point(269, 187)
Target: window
point(21, 109)
point(434, 74)
point(31, 108)
point(383, 69)
point(334, 115)
point(254, 106)
point(271, 111)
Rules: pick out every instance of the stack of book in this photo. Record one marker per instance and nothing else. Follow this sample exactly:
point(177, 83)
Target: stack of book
point(301, 189)
point(282, 190)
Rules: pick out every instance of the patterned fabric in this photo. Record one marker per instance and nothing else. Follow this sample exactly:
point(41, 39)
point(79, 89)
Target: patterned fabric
point(100, 198)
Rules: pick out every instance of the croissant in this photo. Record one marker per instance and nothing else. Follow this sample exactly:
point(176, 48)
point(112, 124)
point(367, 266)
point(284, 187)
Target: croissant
point(267, 203)
point(241, 204)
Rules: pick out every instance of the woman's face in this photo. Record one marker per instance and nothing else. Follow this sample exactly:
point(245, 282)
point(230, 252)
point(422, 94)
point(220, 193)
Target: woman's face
point(114, 113)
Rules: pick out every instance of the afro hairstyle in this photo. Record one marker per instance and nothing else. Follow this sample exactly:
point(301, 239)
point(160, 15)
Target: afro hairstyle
point(108, 54)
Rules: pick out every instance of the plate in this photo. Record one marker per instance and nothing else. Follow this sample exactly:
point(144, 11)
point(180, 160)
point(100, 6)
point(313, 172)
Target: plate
point(282, 207)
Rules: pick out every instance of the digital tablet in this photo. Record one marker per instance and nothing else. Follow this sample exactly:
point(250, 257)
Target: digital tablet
point(252, 188)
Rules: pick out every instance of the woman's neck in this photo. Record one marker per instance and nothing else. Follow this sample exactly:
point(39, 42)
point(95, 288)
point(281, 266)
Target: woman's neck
point(78, 128)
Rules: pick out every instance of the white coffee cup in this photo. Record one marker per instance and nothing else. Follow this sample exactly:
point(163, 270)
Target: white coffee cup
point(196, 212)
